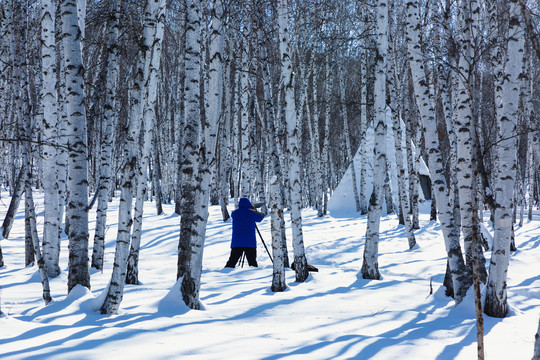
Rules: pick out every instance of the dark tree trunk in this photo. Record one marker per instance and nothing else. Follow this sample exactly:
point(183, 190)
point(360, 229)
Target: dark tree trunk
point(14, 204)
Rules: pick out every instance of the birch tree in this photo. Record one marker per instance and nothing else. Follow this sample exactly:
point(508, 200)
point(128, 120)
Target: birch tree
point(278, 277)
point(460, 279)
point(313, 126)
point(189, 294)
point(245, 174)
point(109, 120)
point(365, 125)
point(191, 280)
point(152, 60)
point(51, 225)
point(370, 264)
point(77, 183)
point(507, 97)
point(466, 162)
point(30, 217)
point(288, 79)
point(153, 35)
point(403, 193)
point(325, 152)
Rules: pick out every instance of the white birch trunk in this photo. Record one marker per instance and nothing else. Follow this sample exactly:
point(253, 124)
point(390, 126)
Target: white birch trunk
point(153, 35)
point(81, 15)
point(128, 168)
point(186, 255)
point(31, 212)
point(30, 215)
point(191, 281)
point(450, 111)
point(225, 142)
point(278, 277)
point(109, 120)
point(388, 189)
point(530, 172)
point(315, 145)
point(156, 24)
point(51, 226)
point(370, 263)
point(466, 162)
point(506, 111)
point(363, 143)
point(77, 183)
point(531, 139)
point(235, 143)
point(325, 153)
point(156, 172)
point(403, 178)
point(273, 140)
point(245, 175)
point(179, 122)
point(62, 139)
point(287, 76)
point(460, 279)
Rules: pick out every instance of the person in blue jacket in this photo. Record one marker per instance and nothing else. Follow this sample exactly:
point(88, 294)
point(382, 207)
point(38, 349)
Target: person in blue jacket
point(243, 233)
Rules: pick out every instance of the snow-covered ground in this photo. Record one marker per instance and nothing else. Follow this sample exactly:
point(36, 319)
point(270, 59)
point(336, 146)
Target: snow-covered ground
point(334, 315)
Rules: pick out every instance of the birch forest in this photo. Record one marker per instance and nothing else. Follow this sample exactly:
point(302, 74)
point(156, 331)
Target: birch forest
point(199, 103)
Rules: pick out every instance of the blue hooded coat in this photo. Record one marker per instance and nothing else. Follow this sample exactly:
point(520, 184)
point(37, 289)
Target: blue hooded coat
point(243, 225)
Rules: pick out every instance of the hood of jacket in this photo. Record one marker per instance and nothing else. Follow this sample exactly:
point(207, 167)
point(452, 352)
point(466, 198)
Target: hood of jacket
point(244, 203)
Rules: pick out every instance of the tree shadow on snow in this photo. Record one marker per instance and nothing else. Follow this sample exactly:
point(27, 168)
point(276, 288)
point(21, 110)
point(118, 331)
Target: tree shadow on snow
point(421, 327)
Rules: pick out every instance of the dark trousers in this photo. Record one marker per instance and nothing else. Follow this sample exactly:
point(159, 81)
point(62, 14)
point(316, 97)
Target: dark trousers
point(236, 254)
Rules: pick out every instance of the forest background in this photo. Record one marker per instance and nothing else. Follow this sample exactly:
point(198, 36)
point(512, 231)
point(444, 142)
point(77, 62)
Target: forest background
point(197, 102)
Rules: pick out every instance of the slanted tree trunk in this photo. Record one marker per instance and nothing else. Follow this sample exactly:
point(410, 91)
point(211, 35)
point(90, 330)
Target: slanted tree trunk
point(29, 252)
point(461, 281)
point(14, 203)
point(152, 61)
point(77, 210)
point(507, 96)
point(293, 150)
point(370, 263)
point(152, 36)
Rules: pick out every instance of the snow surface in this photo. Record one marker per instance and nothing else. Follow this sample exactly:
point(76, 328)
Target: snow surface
point(333, 315)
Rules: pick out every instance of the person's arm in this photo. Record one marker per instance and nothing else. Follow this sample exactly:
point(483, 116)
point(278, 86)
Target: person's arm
point(260, 214)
